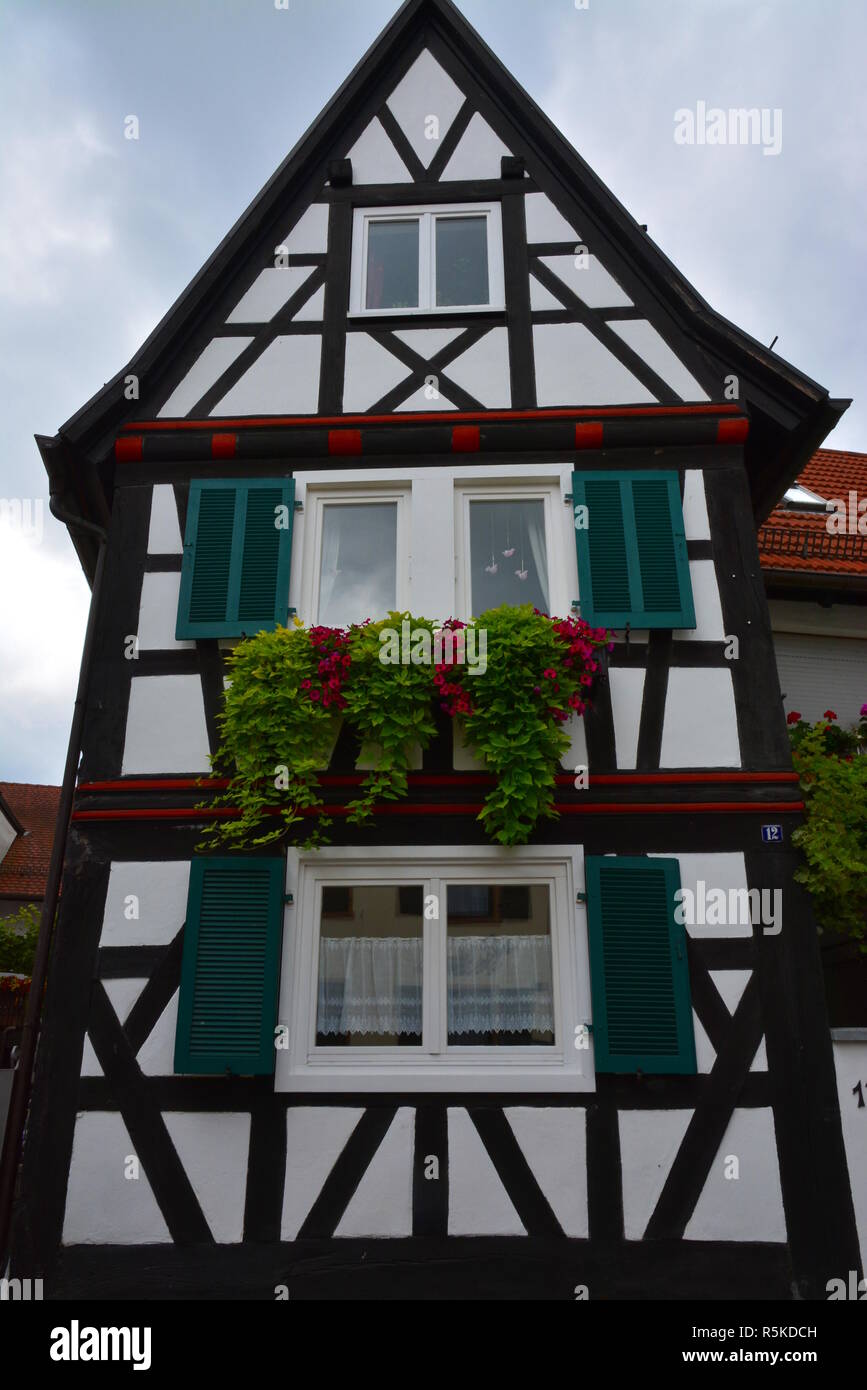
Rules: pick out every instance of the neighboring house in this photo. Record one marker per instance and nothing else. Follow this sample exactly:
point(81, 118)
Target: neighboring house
point(30, 813)
point(816, 581)
point(459, 337)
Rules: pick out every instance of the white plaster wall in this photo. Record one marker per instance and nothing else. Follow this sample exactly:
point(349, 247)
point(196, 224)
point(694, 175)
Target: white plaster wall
point(164, 535)
point(627, 693)
point(643, 338)
point(419, 402)
point(427, 342)
point(545, 223)
point(283, 381)
point(542, 298)
point(309, 236)
point(89, 1060)
point(731, 985)
point(708, 610)
point(850, 1062)
point(700, 727)
point(374, 158)
point(574, 369)
point(589, 280)
point(156, 1056)
point(426, 90)
point(102, 1206)
point(478, 1203)
point(649, 1141)
point(705, 1055)
point(122, 994)
point(207, 368)
point(165, 726)
point(160, 888)
point(312, 309)
point(726, 870)
point(272, 288)
point(371, 371)
point(381, 1205)
point(483, 370)
point(214, 1150)
point(158, 613)
point(432, 517)
point(554, 1143)
point(478, 154)
point(749, 1206)
point(695, 517)
point(315, 1138)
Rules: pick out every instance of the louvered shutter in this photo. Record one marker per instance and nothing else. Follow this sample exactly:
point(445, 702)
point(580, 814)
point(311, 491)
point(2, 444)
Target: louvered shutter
point(642, 1010)
point(632, 557)
point(230, 969)
point(235, 577)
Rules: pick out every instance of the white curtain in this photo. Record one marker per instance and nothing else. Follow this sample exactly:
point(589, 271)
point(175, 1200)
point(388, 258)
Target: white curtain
point(369, 984)
point(332, 520)
point(538, 549)
point(496, 984)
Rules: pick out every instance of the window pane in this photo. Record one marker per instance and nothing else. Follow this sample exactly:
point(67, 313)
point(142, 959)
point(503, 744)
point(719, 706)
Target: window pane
point(370, 967)
point(508, 555)
point(462, 260)
point(500, 990)
point(358, 569)
point(392, 265)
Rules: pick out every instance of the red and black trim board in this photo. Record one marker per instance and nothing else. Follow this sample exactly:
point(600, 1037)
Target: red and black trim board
point(379, 436)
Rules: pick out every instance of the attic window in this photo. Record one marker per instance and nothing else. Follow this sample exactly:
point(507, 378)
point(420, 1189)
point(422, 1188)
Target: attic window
point(427, 260)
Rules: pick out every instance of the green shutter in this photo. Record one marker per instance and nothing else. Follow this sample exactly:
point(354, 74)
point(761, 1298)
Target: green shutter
point(632, 557)
point(235, 577)
point(642, 1010)
point(230, 971)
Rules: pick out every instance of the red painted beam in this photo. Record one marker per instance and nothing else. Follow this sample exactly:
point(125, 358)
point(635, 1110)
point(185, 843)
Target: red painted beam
point(434, 417)
point(458, 779)
point(611, 808)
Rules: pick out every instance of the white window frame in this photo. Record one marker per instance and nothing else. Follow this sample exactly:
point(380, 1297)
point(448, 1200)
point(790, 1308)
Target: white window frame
point(565, 1066)
point(427, 216)
point(548, 491)
point(316, 499)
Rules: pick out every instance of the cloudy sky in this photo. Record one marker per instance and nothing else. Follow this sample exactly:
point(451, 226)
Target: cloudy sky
point(99, 234)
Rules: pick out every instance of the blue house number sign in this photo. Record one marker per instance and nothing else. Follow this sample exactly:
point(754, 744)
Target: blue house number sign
point(772, 834)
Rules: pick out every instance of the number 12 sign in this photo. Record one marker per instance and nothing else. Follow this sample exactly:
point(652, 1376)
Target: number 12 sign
point(772, 834)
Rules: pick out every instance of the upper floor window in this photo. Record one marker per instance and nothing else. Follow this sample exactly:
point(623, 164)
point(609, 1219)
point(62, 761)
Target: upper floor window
point(427, 260)
point(360, 566)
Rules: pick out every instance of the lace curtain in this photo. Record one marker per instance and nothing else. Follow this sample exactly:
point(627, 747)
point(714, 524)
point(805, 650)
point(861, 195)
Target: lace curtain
point(496, 984)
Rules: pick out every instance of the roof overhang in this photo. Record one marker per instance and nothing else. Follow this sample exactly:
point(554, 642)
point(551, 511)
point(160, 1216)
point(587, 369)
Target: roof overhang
point(790, 415)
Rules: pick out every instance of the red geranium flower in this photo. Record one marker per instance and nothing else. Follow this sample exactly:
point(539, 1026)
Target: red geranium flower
point(794, 717)
point(829, 714)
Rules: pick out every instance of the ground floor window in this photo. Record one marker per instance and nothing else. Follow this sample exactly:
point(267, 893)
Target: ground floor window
point(419, 968)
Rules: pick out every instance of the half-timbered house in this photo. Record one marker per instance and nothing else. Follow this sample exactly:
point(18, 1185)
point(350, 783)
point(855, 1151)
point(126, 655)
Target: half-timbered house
point(433, 335)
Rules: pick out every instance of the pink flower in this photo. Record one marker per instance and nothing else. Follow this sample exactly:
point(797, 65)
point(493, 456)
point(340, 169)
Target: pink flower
point(315, 695)
point(550, 675)
point(864, 709)
point(305, 685)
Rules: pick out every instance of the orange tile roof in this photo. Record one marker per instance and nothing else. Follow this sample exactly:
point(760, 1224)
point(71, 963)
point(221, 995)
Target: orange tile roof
point(24, 869)
point(799, 541)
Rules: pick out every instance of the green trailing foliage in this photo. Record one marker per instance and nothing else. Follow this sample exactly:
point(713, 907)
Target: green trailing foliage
point(18, 940)
point(290, 689)
point(831, 763)
point(539, 671)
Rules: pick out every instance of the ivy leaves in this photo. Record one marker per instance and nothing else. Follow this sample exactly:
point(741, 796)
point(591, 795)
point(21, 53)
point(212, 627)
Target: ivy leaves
point(289, 690)
point(833, 841)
